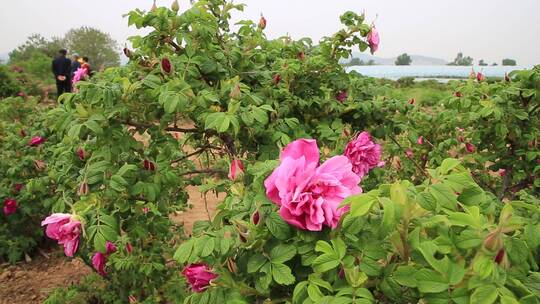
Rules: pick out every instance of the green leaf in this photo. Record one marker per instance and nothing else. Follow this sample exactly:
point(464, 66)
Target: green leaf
point(255, 262)
point(430, 281)
point(325, 262)
point(277, 226)
point(444, 195)
point(486, 294)
point(448, 164)
point(404, 275)
point(282, 274)
point(282, 253)
point(183, 252)
point(324, 247)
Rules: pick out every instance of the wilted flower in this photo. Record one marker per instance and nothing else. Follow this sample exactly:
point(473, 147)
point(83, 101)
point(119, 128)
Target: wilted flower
point(127, 52)
point(236, 169)
point(36, 141)
point(411, 101)
point(364, 154)
point(22, 133)
point(409, 153)
point(262, 23)
point(502, 172)
point(83, 188)
point(10, 206)
point(236, 92)
point(506, 77)
point(39, 165)
point(65, 229)
point(81, 153)
point(301, 55)
point(199, 276)
point(132, 299)
point(308, 194)
point(373, 40)
point(458, 94)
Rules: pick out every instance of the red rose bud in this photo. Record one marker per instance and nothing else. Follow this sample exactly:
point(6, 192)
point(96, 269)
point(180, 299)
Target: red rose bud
point(129, 248)
point(236, 169)
point(83, 189)
point(175, 6)
point(480, 77)
point(470, 147)
point(262, 23)
point(148, 165)
point(341, 96)
point(409, 153)
point(110, 248)
point(301, 55)
point(411, 101)
point(420, 140)
point(341, 273)
point(424, 157)
point(18, 187)
point(458, 94)
point(81, 153)
point(502, 172)
point(256, 218)
point(277, 79)
point(10, 206)
point(166, 65)
point(36, 141)
point(506, 77)
point(499, 257)
point(22, 133)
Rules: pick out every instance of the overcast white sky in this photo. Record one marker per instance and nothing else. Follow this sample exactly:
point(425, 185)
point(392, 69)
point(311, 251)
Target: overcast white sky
point(483, 29)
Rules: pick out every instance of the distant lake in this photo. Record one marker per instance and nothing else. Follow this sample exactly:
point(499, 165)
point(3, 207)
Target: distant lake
point(431, 71)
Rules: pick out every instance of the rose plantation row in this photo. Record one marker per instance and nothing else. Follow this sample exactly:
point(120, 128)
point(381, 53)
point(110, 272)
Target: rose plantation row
point(332, 193)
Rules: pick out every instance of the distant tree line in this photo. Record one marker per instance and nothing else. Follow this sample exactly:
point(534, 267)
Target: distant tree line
point(357, 61)
point(403, 59)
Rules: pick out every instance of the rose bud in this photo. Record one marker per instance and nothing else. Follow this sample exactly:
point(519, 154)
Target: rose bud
point(10, 206)
point(499, 257)
point(480, 77)
point(83, 189)
point(506, 77)
point(256, 218)
point(342, 95)
point(18, 187)
point(129, 248)
point(458, 94)
point(235, 92)
point(148, 165)
point(110, 247)
point(127, 52)
point(409, 153)
point(373, 40)
point(262, 23)
point(81, 153)
point(22, 133)
point(236, 169)
point(98, 262)
point(502, 172)
point(420, 140)
point(470, 147)
point(341, 273)
point(411, 101)
point(36, 141)
point(175, 6)
point(276, 79)
point(166, 65)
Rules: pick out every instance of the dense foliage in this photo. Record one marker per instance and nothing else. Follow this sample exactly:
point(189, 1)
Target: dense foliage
point(448, 215)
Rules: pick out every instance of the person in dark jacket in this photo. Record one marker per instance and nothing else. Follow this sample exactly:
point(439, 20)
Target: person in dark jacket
point(61, 67)
point(75, 64)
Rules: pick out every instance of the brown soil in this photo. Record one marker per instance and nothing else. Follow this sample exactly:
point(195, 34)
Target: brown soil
point(30, 283)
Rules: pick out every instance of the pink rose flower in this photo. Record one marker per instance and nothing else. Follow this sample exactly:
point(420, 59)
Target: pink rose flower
point(502, 172)
point(10, 206)
point(65, 229)
point(342, 95)
point(198, 276)
point(373, 40)
point(236, 169)
point(36, 141)
point(409, 153)
point(98, 262)
point(480, 76)
point(364, 154)
point(308, 194)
